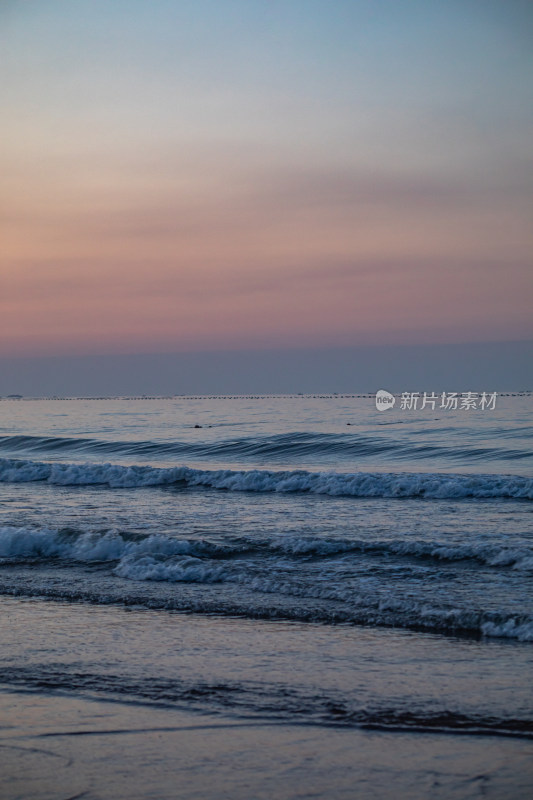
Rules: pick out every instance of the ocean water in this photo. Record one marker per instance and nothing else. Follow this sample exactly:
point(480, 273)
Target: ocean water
point(295, 560)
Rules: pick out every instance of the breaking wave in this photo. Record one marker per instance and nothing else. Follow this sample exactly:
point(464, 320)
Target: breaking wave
point(289, 603)
point(358, 484)
point(112, 545)
point(250, 578)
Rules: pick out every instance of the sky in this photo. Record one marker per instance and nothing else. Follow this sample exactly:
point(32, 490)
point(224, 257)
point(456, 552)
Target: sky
point(264, 176)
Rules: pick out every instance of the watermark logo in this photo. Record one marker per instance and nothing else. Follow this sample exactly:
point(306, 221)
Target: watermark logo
point(449, 401)
point(446, 401)
point(384, 400)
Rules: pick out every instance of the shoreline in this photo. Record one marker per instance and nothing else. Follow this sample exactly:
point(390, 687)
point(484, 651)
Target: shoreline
point(67, 745)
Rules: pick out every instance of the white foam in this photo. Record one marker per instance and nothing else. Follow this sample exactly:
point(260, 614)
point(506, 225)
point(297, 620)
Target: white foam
point(496, 556)
point(510, 629)
point(17, 543)
point(160, 558)
point(26, 543)
point(360, 484)
point(91, 546)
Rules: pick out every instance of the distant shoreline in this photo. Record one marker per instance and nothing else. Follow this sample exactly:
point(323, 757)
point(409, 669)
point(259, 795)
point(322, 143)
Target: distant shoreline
point(281, 396)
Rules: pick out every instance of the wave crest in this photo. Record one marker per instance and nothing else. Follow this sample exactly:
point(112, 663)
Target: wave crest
point(280, 447)
point(358, 484)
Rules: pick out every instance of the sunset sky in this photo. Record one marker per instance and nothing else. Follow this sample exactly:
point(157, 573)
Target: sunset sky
point(236, 174)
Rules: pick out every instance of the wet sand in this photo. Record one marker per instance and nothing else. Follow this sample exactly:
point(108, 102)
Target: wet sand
point(60, 746)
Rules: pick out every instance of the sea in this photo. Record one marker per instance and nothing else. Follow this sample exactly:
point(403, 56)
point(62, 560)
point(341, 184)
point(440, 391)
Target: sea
point(301, 563)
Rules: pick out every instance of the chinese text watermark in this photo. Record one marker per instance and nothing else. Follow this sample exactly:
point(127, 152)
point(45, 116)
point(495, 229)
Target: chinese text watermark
point(446, 401)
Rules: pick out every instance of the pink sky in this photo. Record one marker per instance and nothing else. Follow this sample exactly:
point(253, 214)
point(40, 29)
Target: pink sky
point(149, 208)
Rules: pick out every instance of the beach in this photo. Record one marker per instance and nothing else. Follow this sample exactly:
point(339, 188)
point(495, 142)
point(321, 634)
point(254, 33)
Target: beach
point(66, 747)
point(274, 605)
point(232, 720)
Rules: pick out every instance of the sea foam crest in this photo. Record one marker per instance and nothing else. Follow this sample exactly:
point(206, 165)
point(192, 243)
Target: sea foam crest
point(159, 558)
point(359, 484)
point(112, 545)
point(519, 558)
point(44, 543)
